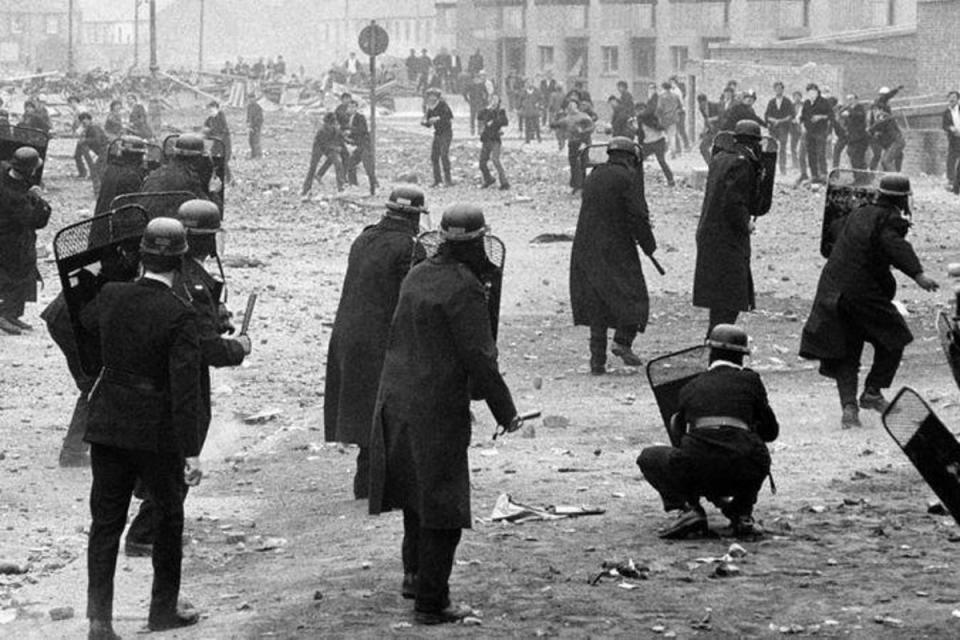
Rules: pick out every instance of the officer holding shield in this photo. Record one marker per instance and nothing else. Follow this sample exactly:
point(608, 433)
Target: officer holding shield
point(854, 300)
point(440, 352)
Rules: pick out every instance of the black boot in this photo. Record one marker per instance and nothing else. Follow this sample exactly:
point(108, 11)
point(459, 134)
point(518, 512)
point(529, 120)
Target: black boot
point(598, 353)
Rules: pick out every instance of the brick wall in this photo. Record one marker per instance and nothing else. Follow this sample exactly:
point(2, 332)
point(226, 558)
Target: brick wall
point(863, 72)
point(938, 50)
point(926, 152)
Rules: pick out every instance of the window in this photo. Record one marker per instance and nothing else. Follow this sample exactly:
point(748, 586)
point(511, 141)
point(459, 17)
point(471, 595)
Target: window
point(678, 58)
point(610, 59)
point(546, 58)
point(18, 23)
point(513, 17)
point(53, 25)
point(644, 57)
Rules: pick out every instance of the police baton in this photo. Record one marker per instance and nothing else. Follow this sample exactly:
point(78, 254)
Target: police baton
point(523, 417)
point(657, 265)
point(248, 314)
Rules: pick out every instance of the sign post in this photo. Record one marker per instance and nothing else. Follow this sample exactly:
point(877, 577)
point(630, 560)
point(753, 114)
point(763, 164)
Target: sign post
point(373, 41)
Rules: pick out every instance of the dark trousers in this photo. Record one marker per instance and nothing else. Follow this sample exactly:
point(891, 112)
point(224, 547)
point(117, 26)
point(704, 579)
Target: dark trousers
point(490, 151)
point(361, 481)
point(953, 158)
point(846, 370)
point(802, 156)
point(796, 133)
point(877, 152)
point(256, 151)
point(838, 148)
point(659, 149)
point(817, 156)
point(474, 111)
point(725, 465)
point(332, 157)
point(706, 145)
point(577, 170)
point(360, 155)
point(624, 336)
point(722, 316)
point(440, 156)
point(81, 156)
point(14, 297)
point(531, 126)
point(428, 554)
point(891, 159)
point(857, 152)
point(115, 471)
point(682, 133)
point(781, 134)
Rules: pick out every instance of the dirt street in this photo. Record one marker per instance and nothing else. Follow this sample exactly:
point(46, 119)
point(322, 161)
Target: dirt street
point(279, 549)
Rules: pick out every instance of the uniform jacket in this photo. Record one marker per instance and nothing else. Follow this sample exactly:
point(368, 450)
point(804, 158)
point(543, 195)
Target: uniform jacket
point(722, 278)
point(872, 240)
point(727, 391)
point(440, 348)
point(491, 122)
point(21, 214)
point(607, 287)
point(120, 178)
point(379, 260)
point(197, 287)
point(147, 397)
point(177, 175)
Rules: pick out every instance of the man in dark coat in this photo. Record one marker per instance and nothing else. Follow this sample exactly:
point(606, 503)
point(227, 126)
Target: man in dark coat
point(439, 117)
point(607, 288)
point(853, 118)
point(22, 212)
point(255, 126)
point(188, 170)
point(124, 174)
point(722, 280)
point(144, 413)
point(216, 126)
point(719, 431)
point(854, 300)
point(203, 292)
point(440, 352)
point(356, 134)
point(379, 260)
point(816, 114)
point(96, 141)
point(492, 119)
point(327, 144)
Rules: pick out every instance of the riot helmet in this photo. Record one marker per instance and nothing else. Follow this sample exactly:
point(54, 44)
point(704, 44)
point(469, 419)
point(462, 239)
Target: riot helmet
point(189, 145)
point(201, 219)
point(25, 161)
point(728, 342)
point(462, 223)
point(164, 237)
point(747, 131)
point(621, 144)
point(133, 145)
point(895, 184)
point(407, 200)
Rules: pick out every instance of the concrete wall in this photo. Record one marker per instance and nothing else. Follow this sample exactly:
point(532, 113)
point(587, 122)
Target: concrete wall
point(938, 49)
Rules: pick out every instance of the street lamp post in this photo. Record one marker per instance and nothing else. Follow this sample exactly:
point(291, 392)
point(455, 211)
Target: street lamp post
point(70, 37)
point(136, 33)
point(200, 47)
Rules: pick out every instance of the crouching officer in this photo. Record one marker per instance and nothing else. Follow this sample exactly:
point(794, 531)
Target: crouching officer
point(144, 411)
point(854, 300)
point(607, 288)
point(440, 351)
point(379, 260)
point(719, 431)
point(196, 286)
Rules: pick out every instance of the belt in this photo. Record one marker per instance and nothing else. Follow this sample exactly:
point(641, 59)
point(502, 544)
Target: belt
point(131, 380)
point(715, 422)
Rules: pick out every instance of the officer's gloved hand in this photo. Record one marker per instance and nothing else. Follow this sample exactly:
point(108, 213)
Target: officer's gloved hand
point(224, 316)
point(926, 283)
point(515, 423)
point(246, 343)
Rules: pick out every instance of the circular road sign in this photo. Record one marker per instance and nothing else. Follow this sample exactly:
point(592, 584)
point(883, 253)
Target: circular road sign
point(373, 40)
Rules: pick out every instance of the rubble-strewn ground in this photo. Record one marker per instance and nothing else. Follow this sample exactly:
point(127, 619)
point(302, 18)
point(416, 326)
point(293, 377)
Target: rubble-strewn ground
point(278, 549)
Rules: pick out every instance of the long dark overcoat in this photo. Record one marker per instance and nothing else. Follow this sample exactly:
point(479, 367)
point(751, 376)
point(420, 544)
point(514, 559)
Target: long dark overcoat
point(21, 214)
point(379, 260)
point(607, 287)
point(440, 348)
point(858, 271)
point(722, 278)
point(120, 178)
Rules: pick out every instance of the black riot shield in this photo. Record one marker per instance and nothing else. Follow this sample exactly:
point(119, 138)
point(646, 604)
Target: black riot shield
point(91, 253)
point(157, 204)
point(14, 137)
point(668, 374)
point(768, 174)
point(949, 332)
point(427, 245)
point(932, 449)
point(847, 190)
point(215, 153)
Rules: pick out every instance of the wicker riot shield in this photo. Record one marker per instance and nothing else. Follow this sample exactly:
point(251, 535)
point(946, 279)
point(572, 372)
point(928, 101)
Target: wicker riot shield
point(668, 374)
point(215, 153)
point(932, 449)
point(157, 204)
point(427, 245)
point(14, 137)
point(847, 190)
point(91, 253)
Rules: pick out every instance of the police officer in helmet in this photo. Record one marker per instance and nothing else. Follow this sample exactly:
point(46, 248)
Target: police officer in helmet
point(719, 431)
point(188, 170)
point(380, 258)
point(607, 287)
point(440, 352)
point(854, 300)
point(125, 171)
point(144, 413)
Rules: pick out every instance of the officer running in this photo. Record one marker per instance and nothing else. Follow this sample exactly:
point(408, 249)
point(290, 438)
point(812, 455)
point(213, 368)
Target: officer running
point(854, 300)
point(720, 428)
point(379, 260)
point(440, 352)
point(607, 288)
point(197, 286)
point(144, 413)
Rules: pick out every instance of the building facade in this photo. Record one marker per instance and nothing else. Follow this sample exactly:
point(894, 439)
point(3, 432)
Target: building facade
point(642, 41)
point(33, 36)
